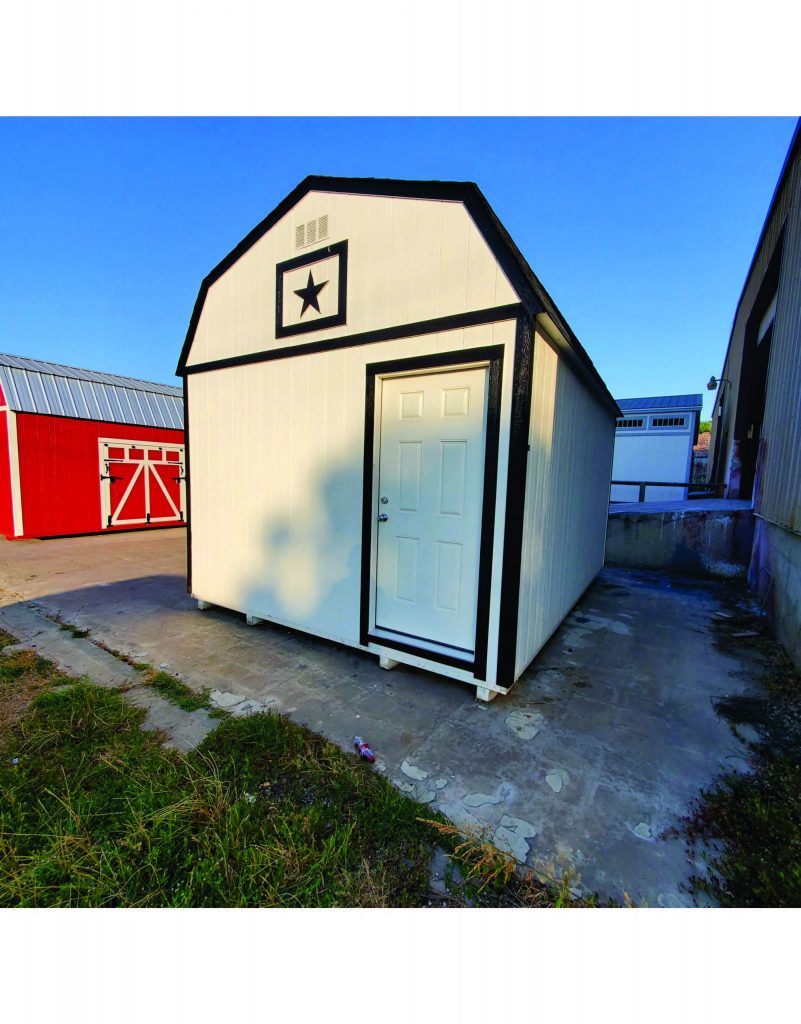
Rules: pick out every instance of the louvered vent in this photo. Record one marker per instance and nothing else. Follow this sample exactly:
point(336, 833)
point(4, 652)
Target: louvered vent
point(313, 231)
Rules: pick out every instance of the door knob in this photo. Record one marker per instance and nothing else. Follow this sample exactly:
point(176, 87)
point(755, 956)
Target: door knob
point(383, 517)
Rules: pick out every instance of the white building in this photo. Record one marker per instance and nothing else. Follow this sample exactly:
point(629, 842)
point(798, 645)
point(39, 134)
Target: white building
point(654, 441)
point(396, 442)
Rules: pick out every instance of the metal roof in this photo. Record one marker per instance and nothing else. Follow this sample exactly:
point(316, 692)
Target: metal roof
point(32, 385)
point(661, 402)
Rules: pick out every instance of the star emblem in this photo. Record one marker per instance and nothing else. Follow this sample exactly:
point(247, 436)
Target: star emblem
point(309, 294)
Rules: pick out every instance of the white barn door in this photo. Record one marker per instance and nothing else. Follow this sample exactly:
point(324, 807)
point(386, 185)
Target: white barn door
point(430, 488)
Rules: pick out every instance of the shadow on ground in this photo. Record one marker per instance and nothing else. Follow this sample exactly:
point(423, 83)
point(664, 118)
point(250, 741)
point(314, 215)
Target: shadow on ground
point(598, 750)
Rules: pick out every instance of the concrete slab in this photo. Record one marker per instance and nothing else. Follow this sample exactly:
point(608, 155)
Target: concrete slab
point(598, 749)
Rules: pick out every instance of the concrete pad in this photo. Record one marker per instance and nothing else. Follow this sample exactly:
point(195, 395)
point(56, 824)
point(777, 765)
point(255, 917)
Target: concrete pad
point(615, 730)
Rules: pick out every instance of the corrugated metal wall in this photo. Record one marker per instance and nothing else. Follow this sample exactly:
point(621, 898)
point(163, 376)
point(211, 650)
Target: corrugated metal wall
point(779, 488)
point(780, 493)
point(571, 439)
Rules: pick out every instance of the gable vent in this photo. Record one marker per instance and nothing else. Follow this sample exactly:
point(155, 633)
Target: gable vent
point(311, 232)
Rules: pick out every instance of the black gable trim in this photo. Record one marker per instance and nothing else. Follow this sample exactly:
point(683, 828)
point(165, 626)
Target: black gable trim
point(528, 287)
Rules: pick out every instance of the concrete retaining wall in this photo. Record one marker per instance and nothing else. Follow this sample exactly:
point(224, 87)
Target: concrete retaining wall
point(693, 542)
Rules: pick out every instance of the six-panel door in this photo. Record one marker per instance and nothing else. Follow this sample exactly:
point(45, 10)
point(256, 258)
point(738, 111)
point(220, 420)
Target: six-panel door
point(430, 487)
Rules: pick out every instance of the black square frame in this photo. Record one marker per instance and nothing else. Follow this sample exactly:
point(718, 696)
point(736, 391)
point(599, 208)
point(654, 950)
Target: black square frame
point(307, 259)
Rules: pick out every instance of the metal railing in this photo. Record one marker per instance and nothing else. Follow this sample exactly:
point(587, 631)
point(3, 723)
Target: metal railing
point(694, 490)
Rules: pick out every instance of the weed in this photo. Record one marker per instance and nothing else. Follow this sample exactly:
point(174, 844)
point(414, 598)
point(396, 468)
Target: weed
point(747, 827)
point(176, 691)
point(79, 634)
point(483, 862)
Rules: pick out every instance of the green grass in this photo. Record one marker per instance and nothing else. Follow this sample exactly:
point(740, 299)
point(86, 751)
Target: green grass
point(94, 812)
point(176, 691)
point(79, 634)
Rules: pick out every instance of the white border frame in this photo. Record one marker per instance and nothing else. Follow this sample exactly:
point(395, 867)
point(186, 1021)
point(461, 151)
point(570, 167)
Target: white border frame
point(144, 467)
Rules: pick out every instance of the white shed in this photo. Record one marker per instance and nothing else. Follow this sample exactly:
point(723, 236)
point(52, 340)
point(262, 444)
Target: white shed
point(395, 441)
point(654, 442)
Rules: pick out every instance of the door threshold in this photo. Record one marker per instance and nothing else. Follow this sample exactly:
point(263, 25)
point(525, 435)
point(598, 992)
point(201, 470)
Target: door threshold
point(424, 648)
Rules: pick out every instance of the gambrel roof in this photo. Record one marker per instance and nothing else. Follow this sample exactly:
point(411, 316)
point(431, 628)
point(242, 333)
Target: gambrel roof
point(525, 283)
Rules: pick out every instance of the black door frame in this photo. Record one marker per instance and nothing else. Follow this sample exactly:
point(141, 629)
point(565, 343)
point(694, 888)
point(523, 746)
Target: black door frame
point(493, 356)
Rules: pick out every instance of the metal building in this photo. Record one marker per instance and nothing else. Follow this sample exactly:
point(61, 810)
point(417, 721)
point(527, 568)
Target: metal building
point(85, 452)
point(396, 441)
point(756, 425)
point(654, 440)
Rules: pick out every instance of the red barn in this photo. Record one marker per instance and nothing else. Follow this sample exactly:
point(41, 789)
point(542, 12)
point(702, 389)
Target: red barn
point(84, 452)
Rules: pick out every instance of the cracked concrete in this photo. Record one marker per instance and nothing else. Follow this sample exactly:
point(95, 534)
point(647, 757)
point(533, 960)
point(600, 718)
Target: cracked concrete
point(619, 707)
point(79, 657)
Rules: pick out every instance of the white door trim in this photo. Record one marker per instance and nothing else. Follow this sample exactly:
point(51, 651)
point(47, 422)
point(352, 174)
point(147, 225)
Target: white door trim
point(13, 465)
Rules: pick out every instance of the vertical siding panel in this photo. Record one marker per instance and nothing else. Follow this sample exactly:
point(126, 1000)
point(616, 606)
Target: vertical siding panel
point(780, 497)
point(570, 462)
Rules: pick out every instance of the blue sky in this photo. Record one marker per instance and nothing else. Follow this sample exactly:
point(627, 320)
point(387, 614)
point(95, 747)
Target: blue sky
point(641, 229)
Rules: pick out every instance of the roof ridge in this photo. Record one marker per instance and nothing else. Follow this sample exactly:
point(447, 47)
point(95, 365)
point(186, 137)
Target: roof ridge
point(79, 372)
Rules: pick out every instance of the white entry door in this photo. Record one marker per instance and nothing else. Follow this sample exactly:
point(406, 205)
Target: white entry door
point(430, 490)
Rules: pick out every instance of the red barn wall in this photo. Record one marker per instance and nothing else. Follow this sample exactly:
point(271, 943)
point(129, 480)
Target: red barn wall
point(60, 470)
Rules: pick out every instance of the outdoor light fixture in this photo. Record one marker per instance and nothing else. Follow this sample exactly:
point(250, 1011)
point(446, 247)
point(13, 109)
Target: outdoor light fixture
point(714, 381)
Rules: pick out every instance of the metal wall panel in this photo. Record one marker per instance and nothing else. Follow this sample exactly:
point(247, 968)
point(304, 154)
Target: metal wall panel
point(571, 440)
point(778, 496)
point(408, 260)
point(779, 492)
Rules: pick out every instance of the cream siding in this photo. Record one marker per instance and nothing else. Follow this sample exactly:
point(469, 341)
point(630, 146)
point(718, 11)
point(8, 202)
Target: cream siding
point(408, 260)
point(571, 440)
point(277, 467)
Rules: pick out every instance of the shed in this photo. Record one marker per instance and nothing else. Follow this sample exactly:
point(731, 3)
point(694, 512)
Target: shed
point(87, 452)
point(396, 440)
point(654, 440)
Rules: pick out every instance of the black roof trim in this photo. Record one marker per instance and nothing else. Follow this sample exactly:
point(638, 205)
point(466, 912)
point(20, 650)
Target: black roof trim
point(522, 278)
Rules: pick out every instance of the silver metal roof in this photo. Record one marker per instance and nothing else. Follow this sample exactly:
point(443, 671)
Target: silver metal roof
point(661, 402)
point(32, 385)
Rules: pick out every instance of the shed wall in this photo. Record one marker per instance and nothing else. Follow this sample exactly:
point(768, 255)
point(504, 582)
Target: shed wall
point(408, 261)
point(276, 478)
point(60, 470)
point(571, 440)
point(651, 455)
